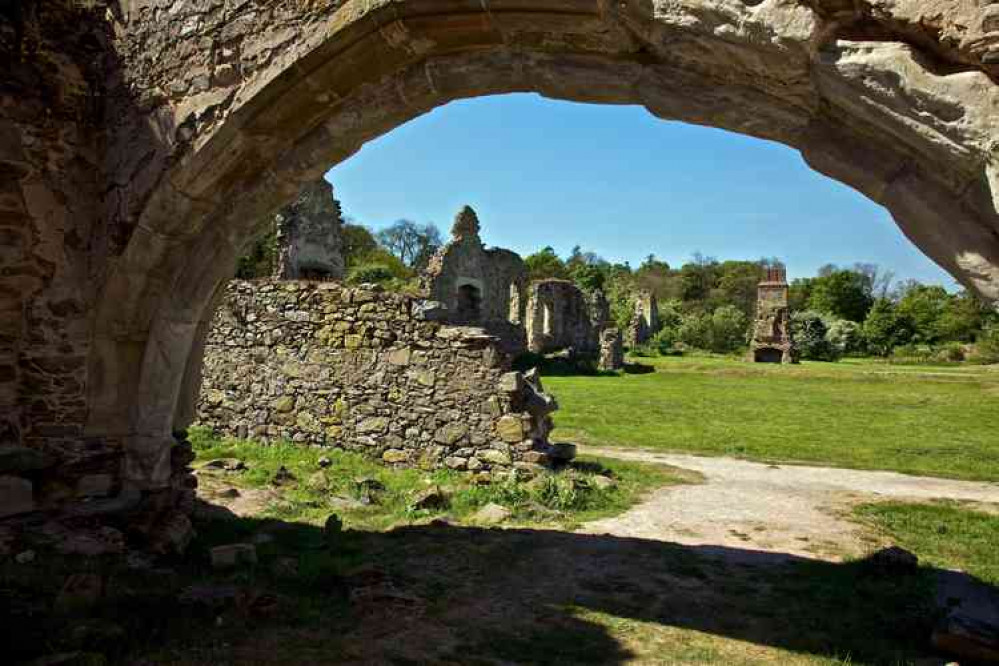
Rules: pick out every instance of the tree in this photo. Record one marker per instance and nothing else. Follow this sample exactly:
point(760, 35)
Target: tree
point(358, 243)
point(544, 265)
point(737, 282)
point(879, 281)
point(588, 277)
point(846, 336)
point(260, 261)
point(412, 243)
point(810, 335)
point(728, 329)
point(698, 278)
point(843, 293)
point(799, 292)
point(964, 318)
point(885, 328)
point(925, 306)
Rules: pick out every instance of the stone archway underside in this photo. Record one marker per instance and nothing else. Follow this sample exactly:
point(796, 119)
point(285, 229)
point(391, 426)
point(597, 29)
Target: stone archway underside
point(221, 110)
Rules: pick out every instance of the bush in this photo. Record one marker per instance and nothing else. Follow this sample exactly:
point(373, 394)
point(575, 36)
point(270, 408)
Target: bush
point(810, 335)
point(846, 336)
point(370, 273)
point(667, 342)
point(986, 350)
point(951, 352)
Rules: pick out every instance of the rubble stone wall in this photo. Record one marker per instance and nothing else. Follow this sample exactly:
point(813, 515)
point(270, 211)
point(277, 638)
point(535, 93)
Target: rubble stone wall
point(360, 369)
point(559, 318)
point(310, 235)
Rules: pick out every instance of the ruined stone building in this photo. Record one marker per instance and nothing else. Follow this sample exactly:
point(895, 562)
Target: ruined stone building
point(561, 317)
point(309, 236)
point(645, 320)
point(478, 286)
point(772, 341)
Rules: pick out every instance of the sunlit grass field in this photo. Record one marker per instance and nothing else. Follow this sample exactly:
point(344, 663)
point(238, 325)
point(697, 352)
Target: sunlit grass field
point(939, 421)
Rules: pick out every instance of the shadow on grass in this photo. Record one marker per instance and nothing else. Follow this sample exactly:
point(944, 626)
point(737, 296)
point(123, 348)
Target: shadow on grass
point(447, 594)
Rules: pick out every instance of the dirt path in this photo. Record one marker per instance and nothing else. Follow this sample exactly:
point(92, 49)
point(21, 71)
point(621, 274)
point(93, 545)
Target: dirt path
point(781, 509)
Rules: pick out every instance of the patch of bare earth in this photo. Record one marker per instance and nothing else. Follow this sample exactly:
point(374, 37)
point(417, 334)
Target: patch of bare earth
point(789, 509)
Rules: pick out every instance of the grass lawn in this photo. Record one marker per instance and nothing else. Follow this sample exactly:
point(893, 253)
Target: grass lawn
point(942, 534)
point(937, 421)
point(368, 495)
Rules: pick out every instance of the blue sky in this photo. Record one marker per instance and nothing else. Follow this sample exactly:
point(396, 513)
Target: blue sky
point(619, 182)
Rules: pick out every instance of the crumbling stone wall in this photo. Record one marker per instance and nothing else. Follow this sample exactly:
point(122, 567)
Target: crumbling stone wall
point(310, 235)
point(478, 286)
point(559, 318)
point(361, 369)
point(772, 341)
point(645, 321)
point(611, 350)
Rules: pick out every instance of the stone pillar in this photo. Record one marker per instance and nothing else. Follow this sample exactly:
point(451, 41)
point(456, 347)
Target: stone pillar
point(611, 350)
point(772, 341)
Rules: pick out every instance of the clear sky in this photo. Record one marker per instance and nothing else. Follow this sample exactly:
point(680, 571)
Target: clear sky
point(620, 182)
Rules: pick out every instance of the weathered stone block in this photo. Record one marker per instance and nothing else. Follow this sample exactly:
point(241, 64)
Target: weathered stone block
point(452, 433)
point(511, 382)
point(394, 456)
point(510, 428)
point(494, 457)
point(283, 404)
point(400, 357)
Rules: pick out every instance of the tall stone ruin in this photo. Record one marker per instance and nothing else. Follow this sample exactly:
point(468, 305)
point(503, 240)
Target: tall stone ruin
point(645, 320)
point(772, 341)
point(478, 286)
point(310, 236)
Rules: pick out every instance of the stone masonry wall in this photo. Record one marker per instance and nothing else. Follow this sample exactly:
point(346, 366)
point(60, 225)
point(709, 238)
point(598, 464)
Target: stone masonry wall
point(361, 369)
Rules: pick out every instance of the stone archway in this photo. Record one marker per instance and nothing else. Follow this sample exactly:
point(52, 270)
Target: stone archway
point(242, 104)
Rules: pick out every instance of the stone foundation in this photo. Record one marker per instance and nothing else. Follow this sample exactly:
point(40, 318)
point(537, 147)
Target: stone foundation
point(365, 370)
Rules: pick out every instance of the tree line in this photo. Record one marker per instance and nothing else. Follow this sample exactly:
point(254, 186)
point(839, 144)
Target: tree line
point(709, 304)
point(854, 310)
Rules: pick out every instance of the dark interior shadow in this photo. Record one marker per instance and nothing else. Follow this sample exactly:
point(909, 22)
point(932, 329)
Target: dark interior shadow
point(444, 594)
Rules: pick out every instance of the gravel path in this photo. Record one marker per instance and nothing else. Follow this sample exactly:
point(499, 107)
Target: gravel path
point(782, 509)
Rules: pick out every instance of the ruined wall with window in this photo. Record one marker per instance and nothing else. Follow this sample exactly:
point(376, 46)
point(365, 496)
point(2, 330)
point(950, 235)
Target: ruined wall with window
point(479, 286)
point(645, 320)
point(365, 370)
point(560, 317)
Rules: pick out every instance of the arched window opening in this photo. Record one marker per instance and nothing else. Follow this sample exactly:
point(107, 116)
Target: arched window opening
point(469, 303)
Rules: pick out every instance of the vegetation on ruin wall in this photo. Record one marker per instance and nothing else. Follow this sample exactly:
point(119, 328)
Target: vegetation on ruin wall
point(857, 413)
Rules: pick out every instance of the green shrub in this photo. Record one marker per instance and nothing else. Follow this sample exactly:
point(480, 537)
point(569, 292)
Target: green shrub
point(846, 336)
point(370, 273)
point(950, 352)
point(986, 350)
point(810, 335)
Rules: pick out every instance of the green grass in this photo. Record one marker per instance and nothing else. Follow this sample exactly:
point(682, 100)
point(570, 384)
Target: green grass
point(942, 534)
point(561, 499)
point(863, 414)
